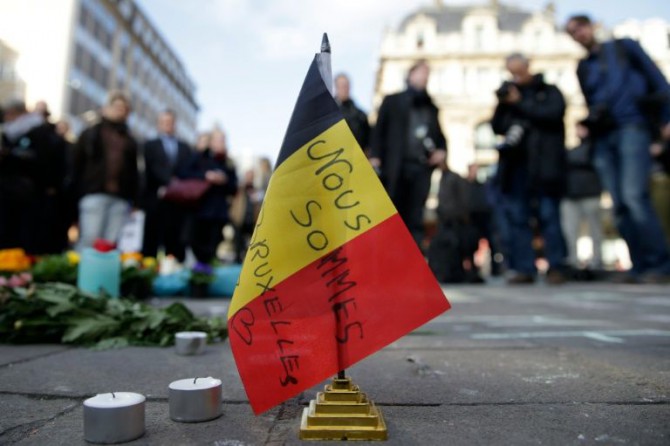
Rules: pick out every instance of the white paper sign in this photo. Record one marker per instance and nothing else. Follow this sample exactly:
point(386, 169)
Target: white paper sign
point(132, 233)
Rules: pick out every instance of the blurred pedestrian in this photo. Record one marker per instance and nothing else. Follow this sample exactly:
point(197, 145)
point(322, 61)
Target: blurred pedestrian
point(202, 142)
point(32, 178)
point(532, 166)
point(660, 182)
point(215, 166)
point(581, 204)
point(263, 176)
point(501, 232)
point(164, 157)
point(356, 119)
point(105, 173)
point(452, 248)
point(407, 144)
point(618, 78)
point(481, 217)
point(244, 212)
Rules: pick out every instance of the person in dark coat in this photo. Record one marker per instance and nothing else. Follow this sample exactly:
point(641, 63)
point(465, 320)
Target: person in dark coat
point(407, 145)
point(212, 214)
point(105, 174)
point(164, 223)
point(451, 252)
point(356, 119)
point(619, 80)
point(532, 166)
point(32, 179)
point(481, 218)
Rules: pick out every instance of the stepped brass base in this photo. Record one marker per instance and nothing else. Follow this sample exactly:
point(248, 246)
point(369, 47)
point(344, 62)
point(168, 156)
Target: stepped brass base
point(342, 412)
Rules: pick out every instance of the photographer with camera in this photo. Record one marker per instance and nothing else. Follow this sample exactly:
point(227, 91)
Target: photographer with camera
point(531, 168)
point(407, 145)
point(619, 81)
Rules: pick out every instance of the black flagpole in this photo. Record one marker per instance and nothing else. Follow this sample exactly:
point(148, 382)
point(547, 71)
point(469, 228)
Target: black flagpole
point(326, 75)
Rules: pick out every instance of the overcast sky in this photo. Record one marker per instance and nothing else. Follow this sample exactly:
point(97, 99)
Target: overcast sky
point(248, 58)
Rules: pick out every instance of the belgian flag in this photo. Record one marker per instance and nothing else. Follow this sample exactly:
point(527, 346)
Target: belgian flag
point(332, 274)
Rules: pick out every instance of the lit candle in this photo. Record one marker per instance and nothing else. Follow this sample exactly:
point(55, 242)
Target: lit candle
point(190, 342)
point(195, 399)
point(114, 417)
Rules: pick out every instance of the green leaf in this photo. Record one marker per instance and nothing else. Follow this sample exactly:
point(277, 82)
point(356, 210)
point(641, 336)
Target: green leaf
point(55, 312)
point(88, 329)
point(115, 342)
point(156, 318)
point(58, 293)
point(60, 308)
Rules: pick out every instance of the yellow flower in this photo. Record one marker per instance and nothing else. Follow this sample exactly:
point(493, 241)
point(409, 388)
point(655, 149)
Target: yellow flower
point(149, 262)
point(14, 259)
point(126, 256)
point(72, 257)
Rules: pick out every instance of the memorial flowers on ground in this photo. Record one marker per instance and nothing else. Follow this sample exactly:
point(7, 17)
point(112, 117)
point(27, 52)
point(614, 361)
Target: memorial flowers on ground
point(57, 268)
point(14, 260)
point(60, 313)
point(202, 275)
point(14, 268)
point(137, 274)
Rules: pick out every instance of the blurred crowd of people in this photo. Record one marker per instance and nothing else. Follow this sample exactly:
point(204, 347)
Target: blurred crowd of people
point(541, 193)
point(533, 206)
point(50, 183)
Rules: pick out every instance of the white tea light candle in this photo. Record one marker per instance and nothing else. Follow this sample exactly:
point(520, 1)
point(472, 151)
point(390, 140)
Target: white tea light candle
point(190, 342)
point(195, 399)
point(114, 417)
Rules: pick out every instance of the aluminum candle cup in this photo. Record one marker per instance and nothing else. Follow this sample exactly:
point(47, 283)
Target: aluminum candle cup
point(114, 417)
point(190, 342)
point(195, 399)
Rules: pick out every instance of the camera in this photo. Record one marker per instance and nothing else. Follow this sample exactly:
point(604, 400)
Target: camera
point(504, 90)
point(599, 120)
point(421, 133)
point(513, 137)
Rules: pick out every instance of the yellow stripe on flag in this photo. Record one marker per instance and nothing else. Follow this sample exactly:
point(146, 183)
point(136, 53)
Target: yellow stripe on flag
point(322, 196)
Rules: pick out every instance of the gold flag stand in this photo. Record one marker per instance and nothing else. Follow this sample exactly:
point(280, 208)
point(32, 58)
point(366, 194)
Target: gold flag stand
point(342, 412)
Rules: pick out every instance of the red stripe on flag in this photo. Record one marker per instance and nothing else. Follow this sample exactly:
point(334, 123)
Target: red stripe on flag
point(333, 313)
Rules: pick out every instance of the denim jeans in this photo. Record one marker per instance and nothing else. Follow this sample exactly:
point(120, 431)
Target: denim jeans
point(623, 162)
point(573, 213)
point(521, 205)
point(101, 216)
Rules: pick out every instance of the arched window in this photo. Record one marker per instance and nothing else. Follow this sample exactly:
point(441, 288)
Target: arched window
point(484, 136)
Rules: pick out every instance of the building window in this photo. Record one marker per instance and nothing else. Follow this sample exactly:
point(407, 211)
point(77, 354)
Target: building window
point(79, 56)
point(479, 37)
point(83, 16)
point(80, 103)
point(484, 136)
point(124, 56)
point(419, 41)
point(126, 9)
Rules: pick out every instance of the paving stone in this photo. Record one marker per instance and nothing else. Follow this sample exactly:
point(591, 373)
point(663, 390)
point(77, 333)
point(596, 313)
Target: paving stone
point(11, 354)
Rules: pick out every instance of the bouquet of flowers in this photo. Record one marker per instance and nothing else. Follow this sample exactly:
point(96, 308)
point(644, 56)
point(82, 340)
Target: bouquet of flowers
point(202, 275)
point(137, 275)
point(57, 268)
point(14, 268)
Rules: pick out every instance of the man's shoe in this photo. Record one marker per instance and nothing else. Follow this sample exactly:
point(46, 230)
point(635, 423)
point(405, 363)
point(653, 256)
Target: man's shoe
point(655, 278)
point(555, 277)
point(520, 278)
point(476, 278)
point(624, 279)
